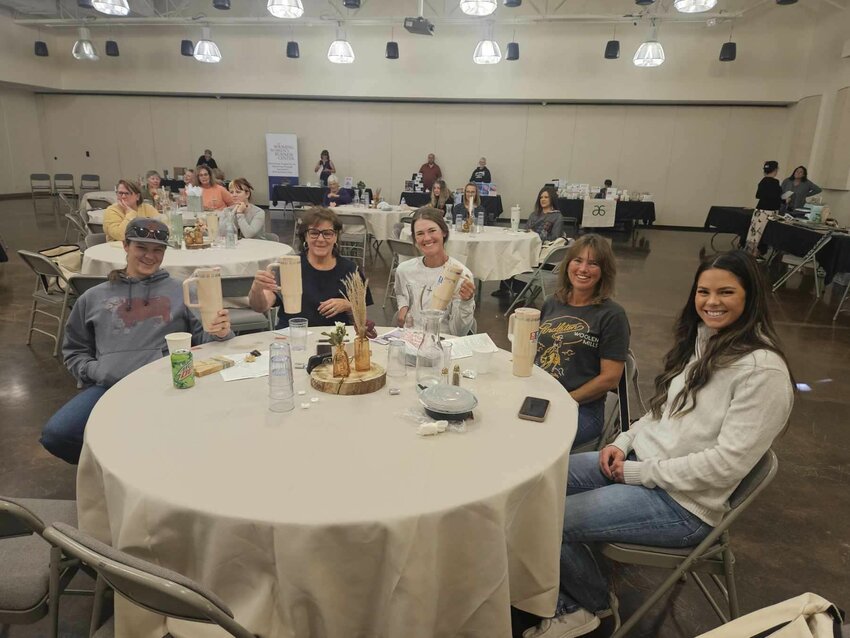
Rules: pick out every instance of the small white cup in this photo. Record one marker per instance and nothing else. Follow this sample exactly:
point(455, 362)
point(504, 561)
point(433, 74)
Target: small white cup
point(481, 360)
point(178, 341)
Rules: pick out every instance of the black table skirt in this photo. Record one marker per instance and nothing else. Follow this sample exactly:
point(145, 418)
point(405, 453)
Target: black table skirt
point(492, 203)
point(625, 211)
point(174, 185)
point(730, 219)
point(304, 194)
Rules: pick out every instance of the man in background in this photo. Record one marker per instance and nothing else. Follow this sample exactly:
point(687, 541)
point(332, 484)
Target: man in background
point(207, 160)
point(430, 172)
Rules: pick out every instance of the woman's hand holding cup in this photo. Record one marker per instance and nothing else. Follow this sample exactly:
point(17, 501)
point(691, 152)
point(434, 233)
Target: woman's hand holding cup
point(265, 280)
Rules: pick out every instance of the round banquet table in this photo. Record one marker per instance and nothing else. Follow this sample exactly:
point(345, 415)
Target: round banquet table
point(337, 520)
point(379, 223)
point(249, 256)
point(495, 253)
point(95, 216)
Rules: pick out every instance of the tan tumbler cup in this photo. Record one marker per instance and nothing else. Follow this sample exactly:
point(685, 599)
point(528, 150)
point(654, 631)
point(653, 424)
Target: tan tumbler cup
point(446, 285)
point(208, 281)
point(290, 282)
point(212, 226)
point(522, 333)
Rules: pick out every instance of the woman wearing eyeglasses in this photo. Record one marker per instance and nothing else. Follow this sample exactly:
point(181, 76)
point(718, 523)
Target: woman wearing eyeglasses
point(323, 271)
point(214, 196)
point(128, 207)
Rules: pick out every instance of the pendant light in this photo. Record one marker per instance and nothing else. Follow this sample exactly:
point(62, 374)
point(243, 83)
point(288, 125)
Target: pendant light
point(487, 52)
point(340, 51)
point(694, 6)
point(206, 50)
point(111, 7)
point(478, 7)
point(650, 53)
point(289, 9)
point(83, 47)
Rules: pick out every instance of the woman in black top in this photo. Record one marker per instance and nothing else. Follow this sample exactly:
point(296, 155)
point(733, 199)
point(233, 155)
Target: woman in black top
point(326, 166)
point(769, 192)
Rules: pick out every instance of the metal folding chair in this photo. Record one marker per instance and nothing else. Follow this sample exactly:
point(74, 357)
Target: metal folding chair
point(297, 218)
point(536, 280)
point(354, 242)
point(93, 239)
point(89, 183)
point(149, 586)
point(47, 272)
point(41, 188)
point(713, 555)
point(242, 319)
point(398, 249)
point(809, 258)
point(63, 184)
point(33, 574)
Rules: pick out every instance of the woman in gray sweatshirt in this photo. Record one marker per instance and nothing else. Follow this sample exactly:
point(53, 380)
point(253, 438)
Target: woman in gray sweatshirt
point(800, 187)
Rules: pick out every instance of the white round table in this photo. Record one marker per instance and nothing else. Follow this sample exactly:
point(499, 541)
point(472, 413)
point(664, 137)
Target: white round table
point(337, 520)
point(495, 253)
point(95, 216)
point(379, 223)
point(249, 256)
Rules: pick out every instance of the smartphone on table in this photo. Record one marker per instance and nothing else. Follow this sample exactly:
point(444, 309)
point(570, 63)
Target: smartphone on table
point(534, 409)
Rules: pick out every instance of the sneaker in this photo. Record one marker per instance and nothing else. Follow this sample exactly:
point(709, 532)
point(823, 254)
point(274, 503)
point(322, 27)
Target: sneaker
point(500, 292)
point(577, 623)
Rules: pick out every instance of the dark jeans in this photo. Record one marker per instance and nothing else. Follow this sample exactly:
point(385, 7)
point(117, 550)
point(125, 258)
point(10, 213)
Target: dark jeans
point(62, 435)
point(591, 417)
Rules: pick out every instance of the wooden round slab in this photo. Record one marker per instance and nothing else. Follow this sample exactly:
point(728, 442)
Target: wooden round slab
point(322, 379)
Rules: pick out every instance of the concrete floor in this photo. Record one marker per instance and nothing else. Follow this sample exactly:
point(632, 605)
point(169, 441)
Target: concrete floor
point(792, 540)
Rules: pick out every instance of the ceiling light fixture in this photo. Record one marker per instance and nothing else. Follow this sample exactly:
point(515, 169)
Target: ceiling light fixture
point(83, 47)
point(728, 52)
point(487, 52)
point(206, 50)
point(478, 7)
point(111, 7)
point(650, 53)
point(694, 6)
point(392, 50)
point(288, 9)
point(340, 51)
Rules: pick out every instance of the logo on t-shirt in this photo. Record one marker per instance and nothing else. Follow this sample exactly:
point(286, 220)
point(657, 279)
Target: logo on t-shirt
point(556, 339)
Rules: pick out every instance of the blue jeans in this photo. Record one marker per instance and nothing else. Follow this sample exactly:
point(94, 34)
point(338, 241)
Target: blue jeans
point(599, 510)
point(591, 417)
point(62, 435)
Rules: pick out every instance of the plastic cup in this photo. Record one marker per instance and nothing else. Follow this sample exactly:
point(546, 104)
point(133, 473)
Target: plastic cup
point(281, 387)
point(178, 341)
point(298, 341)
point(481, 360)
point(396, 359)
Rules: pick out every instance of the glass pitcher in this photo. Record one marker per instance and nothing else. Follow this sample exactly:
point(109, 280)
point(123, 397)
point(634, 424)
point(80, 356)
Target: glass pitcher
point(415, 302)
point(430, 356)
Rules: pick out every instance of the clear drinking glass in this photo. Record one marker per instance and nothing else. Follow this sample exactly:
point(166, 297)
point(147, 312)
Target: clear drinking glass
point(298, 341)
point(396, 359)
point(281, 387)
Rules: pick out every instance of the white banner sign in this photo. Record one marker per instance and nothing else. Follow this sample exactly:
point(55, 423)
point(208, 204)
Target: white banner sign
point(282, 161)
point(598, 213)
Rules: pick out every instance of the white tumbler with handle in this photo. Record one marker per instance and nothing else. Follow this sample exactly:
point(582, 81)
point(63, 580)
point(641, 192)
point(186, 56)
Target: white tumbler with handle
point(290, 282)
point(522, 333)
point(208, 282)
point(446, 285)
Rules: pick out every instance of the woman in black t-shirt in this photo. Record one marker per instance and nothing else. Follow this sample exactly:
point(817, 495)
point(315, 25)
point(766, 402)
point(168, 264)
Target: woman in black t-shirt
point(323, 271)
point(769, 191)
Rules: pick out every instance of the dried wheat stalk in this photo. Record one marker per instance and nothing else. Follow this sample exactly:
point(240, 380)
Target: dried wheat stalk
point(355, 293)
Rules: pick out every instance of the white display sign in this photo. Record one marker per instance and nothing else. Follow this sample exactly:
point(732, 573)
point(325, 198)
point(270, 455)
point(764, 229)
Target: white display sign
point(282, 161)
point(598, 213)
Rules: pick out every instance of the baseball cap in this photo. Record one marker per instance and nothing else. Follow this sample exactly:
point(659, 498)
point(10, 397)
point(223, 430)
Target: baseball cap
point(147, 230)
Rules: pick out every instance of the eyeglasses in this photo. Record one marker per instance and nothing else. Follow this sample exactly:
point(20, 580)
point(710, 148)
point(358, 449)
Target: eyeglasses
point(327, 234)
point(146, 233)
point(123, 193)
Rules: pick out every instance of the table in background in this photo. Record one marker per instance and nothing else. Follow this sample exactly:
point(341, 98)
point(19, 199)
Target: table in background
point(730, 219)
point(249, 256)
point(313, 195)
point(338, 520)
point(624, 212)
point(379, 223)
point(492, 203)
point(494, 254)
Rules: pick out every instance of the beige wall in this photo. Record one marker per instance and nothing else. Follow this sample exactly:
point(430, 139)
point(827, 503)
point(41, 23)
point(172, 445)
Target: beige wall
point(20, 140)
point(688, 157)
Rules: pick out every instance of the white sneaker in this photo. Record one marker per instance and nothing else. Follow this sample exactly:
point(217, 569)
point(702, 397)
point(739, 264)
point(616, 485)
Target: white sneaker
point(577, 623)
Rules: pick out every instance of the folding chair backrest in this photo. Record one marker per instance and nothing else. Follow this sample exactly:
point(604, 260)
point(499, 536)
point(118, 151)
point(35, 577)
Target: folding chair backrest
point(352, 219)
point(155, 588)
point(93, 239)
point(89, 182)
point(40, 182)
point(43, 267)
point(556, 256)
point(17, 520)
point(98, 204)
point(76, 223)
point(81, 283)
point(402, 248)
point(63, 181)
point(759, 477)
point(236, 286)
point(67, 203)
point(298, 216)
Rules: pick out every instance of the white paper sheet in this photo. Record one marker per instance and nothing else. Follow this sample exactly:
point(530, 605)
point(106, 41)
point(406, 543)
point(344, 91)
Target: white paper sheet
point(245, 369)
point(463, 347)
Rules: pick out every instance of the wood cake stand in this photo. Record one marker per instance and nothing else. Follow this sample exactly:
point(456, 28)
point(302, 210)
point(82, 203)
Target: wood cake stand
point(322, 379)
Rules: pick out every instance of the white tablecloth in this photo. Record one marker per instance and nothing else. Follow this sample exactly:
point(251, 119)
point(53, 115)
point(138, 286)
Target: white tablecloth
point(95, 216)
point(494, 254)
point(249, 256)
point(379, 223)
point(85, 206)
point(338, 520)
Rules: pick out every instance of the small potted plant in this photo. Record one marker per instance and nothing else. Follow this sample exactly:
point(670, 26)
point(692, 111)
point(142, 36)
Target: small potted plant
point(336, 337)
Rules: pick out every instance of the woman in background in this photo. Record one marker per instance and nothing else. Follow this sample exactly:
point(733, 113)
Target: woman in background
point(150, 189)
point(546, 220)
point(797, 187)
point(325, 167)
point(127, 208)
point(250, 220)
point(440, 195)
point(335, 196)
point(214, 195)
point(472, 201)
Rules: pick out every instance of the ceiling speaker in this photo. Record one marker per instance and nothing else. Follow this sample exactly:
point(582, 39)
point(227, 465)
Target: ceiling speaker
point(612, 50)
point(392, 51)
point(728, 52)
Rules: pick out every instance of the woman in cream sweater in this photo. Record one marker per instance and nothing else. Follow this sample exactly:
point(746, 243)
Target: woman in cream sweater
point(725, 394)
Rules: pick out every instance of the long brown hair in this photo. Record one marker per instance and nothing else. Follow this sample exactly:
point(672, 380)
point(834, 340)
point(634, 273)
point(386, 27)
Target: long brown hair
point(604, 257)
point(444, 195)
point(204, 167)
point(477, 200)
point(752, 331)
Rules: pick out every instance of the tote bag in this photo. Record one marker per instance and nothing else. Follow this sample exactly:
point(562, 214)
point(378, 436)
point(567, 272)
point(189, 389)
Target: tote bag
point(806, 616)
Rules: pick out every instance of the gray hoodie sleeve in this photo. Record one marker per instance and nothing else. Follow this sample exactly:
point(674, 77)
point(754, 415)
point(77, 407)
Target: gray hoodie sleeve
point(78, 346)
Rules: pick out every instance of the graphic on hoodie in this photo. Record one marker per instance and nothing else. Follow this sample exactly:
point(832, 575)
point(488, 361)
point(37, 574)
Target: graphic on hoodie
point(128, 314)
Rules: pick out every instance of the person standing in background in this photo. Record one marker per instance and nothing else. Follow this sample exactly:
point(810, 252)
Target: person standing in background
point(430, 172)
point(797, 187)
point(603, 192)
point(325, 167)
point(769, 193)
point(481, 175)
point(207, 160)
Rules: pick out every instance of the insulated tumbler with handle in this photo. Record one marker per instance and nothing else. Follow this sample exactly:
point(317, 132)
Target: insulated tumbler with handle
point(290, 282)
point(208, 282)
point(522, 333)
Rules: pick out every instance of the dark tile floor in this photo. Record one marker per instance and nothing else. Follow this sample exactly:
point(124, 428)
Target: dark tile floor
point(793, 539)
